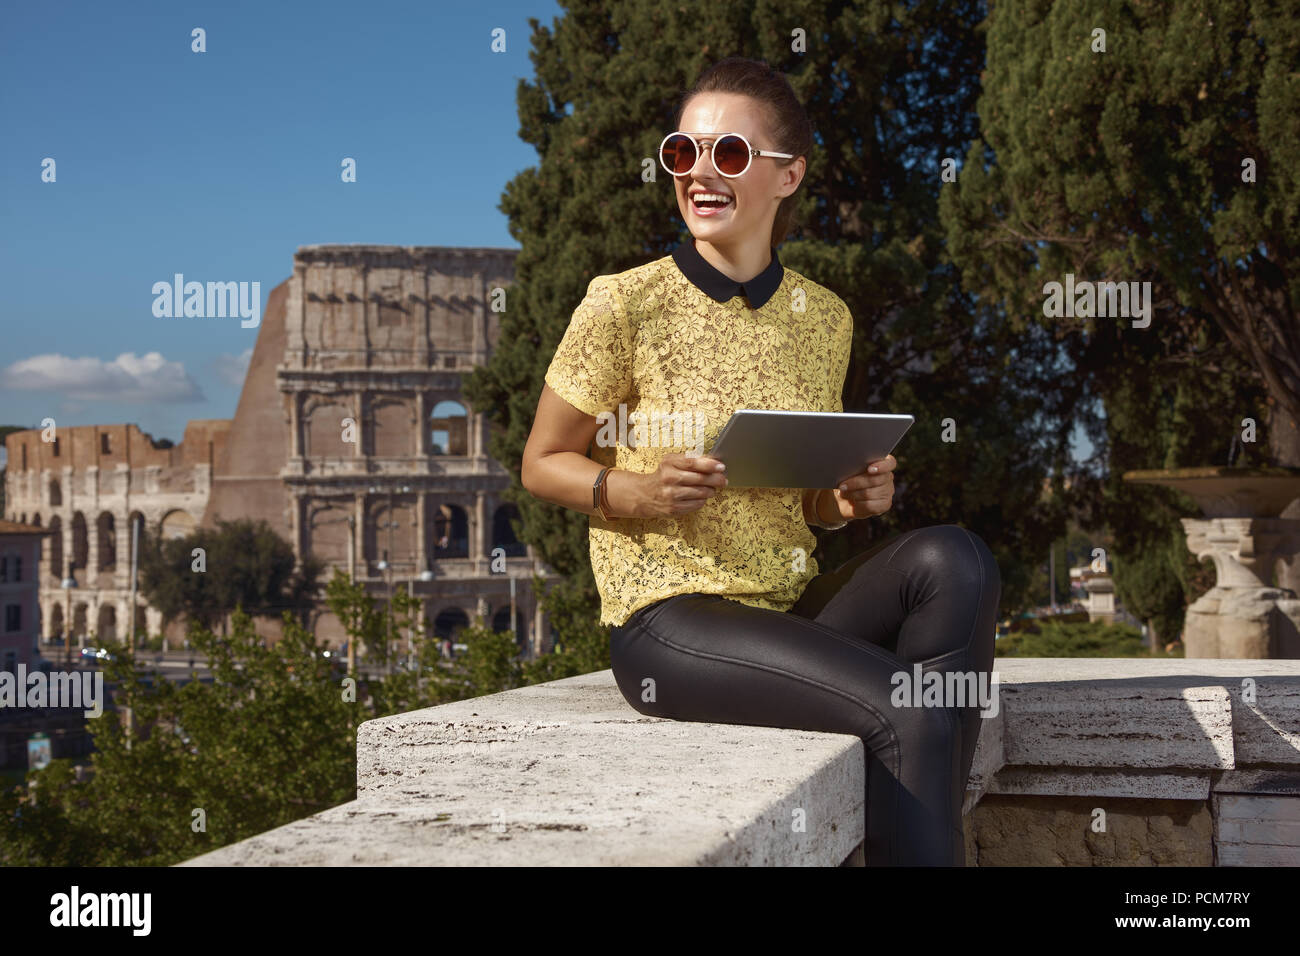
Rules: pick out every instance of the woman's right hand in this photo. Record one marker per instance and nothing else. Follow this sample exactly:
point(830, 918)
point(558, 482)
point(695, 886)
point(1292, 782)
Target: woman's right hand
point(682, 484)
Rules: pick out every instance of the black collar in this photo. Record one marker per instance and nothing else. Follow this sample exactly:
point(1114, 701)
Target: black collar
point(709, 280)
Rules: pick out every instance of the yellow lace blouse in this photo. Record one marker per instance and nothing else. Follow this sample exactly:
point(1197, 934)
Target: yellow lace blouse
point(651, 340)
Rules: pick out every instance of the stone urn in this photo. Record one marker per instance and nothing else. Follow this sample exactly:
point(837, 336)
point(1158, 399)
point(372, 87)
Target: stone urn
point(1251, 531)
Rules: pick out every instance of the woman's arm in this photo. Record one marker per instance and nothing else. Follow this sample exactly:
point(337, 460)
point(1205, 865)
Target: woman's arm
point(556, 468)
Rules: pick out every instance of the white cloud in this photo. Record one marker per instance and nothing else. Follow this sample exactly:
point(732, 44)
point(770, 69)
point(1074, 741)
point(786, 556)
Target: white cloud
point(231, 369)
point(128, 378)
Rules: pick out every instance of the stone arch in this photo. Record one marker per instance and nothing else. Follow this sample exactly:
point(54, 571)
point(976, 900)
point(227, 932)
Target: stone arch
point(106, 623)
point(449, 429)
point(56, 548)
point(391, 431)
point(79, 610)
point(141, 623)
point(449, 622)
point(36, 520)
point(501, 622)
point(106, 540)
point(328, 629)
point(23, 519)
point(177, 524)
point(327, 531)
point(448, 528)
point(323, 428)
point(400, 544)
point(80, 543)
point(56, 493)
point(56, 621)
point(503, 534)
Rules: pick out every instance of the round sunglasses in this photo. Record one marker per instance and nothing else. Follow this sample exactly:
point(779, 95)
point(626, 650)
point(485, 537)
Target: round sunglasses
point(730, 153)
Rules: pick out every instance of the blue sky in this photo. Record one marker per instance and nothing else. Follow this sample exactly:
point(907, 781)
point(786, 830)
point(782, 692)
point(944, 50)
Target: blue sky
point(219, 165)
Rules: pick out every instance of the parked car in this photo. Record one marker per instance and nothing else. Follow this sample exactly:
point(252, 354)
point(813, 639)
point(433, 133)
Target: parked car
point(96, 653)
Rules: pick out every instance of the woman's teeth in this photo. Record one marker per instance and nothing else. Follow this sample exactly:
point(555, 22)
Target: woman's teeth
point(709, 204)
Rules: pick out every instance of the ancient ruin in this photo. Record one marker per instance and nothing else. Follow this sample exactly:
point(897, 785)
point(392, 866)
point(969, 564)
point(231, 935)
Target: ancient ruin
point(350, 439)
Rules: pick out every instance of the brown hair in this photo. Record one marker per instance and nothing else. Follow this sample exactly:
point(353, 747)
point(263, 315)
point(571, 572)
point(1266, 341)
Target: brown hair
point(786, 121)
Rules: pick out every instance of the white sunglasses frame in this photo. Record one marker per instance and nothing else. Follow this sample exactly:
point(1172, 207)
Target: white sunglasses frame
point(713, 139)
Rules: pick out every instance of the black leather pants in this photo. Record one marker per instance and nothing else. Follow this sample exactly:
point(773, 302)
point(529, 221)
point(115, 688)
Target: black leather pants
point(928, 596)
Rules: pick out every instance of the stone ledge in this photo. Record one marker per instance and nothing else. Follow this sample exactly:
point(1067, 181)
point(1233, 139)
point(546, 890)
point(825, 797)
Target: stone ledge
point(567, 773)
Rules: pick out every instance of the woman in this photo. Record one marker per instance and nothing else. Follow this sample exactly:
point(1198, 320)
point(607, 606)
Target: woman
point(719, 613)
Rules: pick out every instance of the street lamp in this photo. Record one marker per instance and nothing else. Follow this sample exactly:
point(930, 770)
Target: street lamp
point(388, 612)
point(68, 584)
point(425, 575)
point(383, 564)
point(352, 578)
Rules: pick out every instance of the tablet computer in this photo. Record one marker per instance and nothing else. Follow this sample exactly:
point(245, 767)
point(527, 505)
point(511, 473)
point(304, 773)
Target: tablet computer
point(775, 449)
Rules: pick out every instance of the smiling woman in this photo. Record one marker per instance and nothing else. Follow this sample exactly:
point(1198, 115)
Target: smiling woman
point(720, 613)
point(737, 156)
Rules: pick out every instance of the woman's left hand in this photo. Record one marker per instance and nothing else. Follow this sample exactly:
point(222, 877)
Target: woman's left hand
point(868, 493)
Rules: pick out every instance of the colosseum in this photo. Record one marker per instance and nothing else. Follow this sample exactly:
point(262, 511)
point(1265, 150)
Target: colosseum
point(350, 439)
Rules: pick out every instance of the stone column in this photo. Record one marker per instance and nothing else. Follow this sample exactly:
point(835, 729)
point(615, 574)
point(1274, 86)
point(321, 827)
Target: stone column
point(298, 524)
point(92, 516)
point(358, 538)
point(422, 437)
point(295, 424)
point(1243, 615)
point(421, 529)
point(122, 528)
point(361, 402)
point(152, 621)
point(480, 538)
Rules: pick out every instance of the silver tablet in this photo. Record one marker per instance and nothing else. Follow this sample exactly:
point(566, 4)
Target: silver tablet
point(773, 449)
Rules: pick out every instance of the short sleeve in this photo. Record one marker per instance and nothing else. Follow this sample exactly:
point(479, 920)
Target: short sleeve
point(839, 365)
point(592, 365)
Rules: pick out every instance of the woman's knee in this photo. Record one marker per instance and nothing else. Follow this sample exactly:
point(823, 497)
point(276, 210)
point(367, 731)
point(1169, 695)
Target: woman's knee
point(953, 553)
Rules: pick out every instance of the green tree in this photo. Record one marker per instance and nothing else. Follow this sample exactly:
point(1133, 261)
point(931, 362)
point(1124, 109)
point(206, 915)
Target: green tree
point(1170, 157)
point(489, 665)
point(1128, 165)
point(49, 821)
point(1072, 549)
point(365, 622)
point(1151, 588)
point(243, 564)
point(400, 662)
point(269, 740)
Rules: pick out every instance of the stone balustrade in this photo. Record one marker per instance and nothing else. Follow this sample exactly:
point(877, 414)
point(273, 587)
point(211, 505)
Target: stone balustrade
point(1088, 762)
